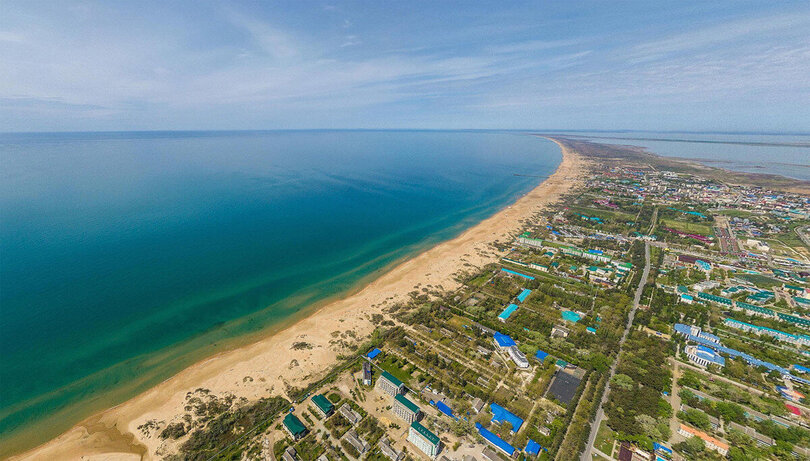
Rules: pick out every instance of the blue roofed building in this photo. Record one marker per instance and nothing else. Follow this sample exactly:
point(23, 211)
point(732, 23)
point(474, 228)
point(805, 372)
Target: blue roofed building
point(495, 441)
point(801, 369)
point(374, 353)
point(704, 356)
point(540, 355)
point(703, 265)
point(524, 294)
point(502, 340)
point(441, 406)
point(511, 272)
point(508, 310)
point(533, 448)
point(571, 316)
point(501, 415)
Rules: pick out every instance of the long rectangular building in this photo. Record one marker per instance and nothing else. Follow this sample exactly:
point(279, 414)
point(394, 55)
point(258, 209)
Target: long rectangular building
point(423, 439)
point(405, 409)
point(760, 330)
point(389, 384)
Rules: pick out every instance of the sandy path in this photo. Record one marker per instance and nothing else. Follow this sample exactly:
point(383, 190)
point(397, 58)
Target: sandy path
point(113, 434)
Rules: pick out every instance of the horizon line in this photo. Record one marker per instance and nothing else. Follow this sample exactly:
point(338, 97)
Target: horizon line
point(532, 130)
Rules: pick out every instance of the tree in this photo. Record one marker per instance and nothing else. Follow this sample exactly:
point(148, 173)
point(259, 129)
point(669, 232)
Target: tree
point(622, 381)
point(691, 447)
point(648, 426)
point(461, 427)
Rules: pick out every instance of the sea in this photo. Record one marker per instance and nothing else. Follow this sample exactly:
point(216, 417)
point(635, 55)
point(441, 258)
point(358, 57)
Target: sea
point(785, 154)
point(128, 256)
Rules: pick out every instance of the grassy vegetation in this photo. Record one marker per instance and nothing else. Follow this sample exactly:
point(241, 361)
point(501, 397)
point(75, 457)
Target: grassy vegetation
point(685, 226)
point(218, 436)
point(394, 366)
point(604, 439)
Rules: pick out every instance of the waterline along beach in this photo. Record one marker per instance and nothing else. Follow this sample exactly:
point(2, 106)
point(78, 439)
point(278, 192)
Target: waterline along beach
point(529, 155)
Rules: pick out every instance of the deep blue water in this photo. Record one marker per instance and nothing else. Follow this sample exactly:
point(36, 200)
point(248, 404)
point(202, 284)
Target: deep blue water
point(125, 256)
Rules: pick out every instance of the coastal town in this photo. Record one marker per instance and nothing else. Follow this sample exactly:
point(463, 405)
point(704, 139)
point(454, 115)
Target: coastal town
point(648, 315)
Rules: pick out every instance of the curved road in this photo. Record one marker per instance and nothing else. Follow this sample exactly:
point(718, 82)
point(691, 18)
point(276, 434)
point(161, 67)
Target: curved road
point(600, 413)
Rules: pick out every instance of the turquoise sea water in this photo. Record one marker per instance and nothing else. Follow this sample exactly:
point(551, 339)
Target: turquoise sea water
point(781, 154)
point(125, 257)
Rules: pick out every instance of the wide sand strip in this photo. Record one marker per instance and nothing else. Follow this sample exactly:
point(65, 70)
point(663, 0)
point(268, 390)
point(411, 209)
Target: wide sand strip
point(271, 362)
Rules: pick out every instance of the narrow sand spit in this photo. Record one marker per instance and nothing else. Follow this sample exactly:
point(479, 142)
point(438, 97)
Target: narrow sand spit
point(114, 434)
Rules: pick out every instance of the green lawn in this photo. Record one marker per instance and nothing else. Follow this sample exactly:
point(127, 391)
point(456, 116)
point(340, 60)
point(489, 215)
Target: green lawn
point(684, 226)
point(390, 366)
point(604, 439)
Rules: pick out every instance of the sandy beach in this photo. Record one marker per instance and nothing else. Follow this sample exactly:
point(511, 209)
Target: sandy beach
point(271, 363)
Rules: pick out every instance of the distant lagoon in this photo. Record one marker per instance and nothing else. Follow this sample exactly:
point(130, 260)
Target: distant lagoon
point(781, 154)
point(126, 257)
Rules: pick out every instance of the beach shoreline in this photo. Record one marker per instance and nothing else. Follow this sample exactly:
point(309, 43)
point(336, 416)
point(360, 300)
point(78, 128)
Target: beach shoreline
point(269, 365)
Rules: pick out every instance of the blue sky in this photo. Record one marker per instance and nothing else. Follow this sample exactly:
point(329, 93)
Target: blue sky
point(120, 65)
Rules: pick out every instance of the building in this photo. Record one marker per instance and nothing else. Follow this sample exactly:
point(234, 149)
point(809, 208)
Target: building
point(559, 331)
point(501, 415)
point(629, 452)
point(323, 405)
point(489, 455)
point(762, 440)
point(703, 265)
point(790, 394)
point(389, 451)
point(693, 330)
point(540, 355)
point(423, 439)
point(289, 454)
point(533, 448)
point(503, 341)
point(477, 405)
point(405, 409)
point(367, 373)
point(704, 356)
point(348, 412)
point(518, 357)
point(294, 426)
point(507, 311)
point(352, 438)
point(389, 384)
point(711, 442)
point(799, 340)
point(495, 441)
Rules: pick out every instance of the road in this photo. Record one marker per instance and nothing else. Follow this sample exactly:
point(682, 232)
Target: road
point(600, 413)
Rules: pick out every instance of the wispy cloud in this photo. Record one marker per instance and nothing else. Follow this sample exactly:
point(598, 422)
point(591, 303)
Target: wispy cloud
point(239, 66)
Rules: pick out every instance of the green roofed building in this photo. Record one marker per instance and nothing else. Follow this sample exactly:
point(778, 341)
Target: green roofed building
point(294, 426)
point(389, 384)
point(323, 404)
point(405, 409)
point(423, 439)
point(714, 298)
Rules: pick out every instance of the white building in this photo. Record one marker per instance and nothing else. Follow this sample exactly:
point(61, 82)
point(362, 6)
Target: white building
point(518, 357)
point(423, 439)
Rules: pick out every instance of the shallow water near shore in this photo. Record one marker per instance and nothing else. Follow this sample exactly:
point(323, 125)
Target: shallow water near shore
point(126, 257)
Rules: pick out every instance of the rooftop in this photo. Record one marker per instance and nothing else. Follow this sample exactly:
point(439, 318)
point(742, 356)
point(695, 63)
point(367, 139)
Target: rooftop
point(422, 430)
point(408, 404)
point(393, 379)
point(322, 403)
point(293, 424)
point(501, 414)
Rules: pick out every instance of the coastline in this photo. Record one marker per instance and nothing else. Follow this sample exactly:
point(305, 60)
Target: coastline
point(114, 433)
